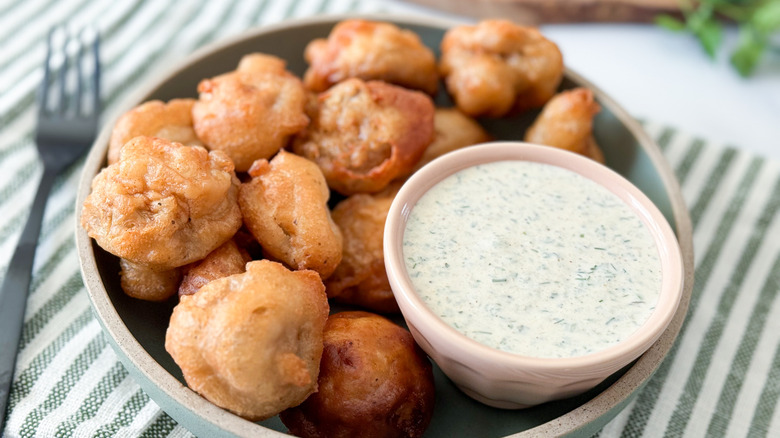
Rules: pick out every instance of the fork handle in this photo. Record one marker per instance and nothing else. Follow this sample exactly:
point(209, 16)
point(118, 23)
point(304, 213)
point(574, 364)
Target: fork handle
point(13, 295)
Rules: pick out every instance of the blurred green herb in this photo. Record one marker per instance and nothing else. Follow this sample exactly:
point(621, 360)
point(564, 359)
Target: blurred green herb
point(757, 21)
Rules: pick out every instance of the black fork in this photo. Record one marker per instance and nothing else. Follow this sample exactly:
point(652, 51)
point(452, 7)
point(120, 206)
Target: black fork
point(68, 112)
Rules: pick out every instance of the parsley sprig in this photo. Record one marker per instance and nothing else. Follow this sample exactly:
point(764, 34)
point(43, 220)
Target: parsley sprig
point(757, 21)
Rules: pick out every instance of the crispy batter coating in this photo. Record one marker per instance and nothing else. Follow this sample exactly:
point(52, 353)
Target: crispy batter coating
point(226, 260)
point(144, 283)
point(497, 66)
point(361, 278)
point(250, 113)
point(251, 343)
point(163, 204)
point(370, 50)
point(566, 122)
point(285, 207)
point(172, 121)
point(374, 382)
point(454, 130)
point(364, 134)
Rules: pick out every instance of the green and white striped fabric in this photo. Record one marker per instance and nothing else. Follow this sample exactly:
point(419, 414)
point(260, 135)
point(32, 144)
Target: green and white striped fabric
point(722, 378)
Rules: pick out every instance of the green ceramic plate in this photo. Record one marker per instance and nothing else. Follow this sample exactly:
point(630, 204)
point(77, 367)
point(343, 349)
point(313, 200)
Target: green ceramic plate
point(136, 329)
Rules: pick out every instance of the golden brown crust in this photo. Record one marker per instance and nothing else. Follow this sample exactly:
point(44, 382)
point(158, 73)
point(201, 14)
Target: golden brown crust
point(454, 130)
point(496, 67)
point(224, 261)
point(285, 207)
point(144, 283)
point(566, 122)
point(250, 113)
point(370, 50)
point(251, 343)
point(361, 278)
point(364, 134)
point(374, 382)
point(163, 204)
point(171, 121)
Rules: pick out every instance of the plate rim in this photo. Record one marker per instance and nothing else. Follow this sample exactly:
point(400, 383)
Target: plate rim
point(168, 389)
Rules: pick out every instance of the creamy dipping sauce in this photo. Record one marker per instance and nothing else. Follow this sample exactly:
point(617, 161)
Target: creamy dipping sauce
point(532, 259)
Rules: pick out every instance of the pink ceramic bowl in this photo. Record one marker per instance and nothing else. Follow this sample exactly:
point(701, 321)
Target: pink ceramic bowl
point(506, 380)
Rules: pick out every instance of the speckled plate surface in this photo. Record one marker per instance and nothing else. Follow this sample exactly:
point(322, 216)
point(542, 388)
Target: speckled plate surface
point(136, 329)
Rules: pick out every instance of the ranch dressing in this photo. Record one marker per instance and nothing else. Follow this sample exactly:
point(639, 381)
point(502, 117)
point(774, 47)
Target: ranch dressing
point(532, 259)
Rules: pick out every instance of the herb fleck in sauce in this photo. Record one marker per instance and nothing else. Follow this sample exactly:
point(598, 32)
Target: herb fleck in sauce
point(532, 259)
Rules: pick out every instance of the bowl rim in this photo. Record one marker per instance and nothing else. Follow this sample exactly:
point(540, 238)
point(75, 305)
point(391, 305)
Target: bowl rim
point(163, 384)
point(490, 361)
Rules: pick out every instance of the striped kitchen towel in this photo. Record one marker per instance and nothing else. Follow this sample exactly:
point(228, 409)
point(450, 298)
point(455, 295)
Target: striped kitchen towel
point(720, 379)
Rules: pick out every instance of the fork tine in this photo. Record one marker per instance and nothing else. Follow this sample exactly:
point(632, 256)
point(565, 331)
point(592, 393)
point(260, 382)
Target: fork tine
point(43, 94)
point(79, 96)
point(96, 72)
point(89, 40)
point(61, 105)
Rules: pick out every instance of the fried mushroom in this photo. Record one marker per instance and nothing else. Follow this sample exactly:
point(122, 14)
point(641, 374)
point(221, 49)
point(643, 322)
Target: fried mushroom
point(374, 382)
point(251, 343)
point(285, 207)
point(370, 50)
point(163, 204)
point(454, 130)
point(171, 121)
point(224, 261)
point(361, 279)
point(566, 122)
point(148, 284)
point(496, 66)
point(364, 134)
point(250, 113)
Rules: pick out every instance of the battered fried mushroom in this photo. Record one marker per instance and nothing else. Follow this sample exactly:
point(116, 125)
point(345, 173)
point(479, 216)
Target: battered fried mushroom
point(361, 279)
point(364, 134)
point(250, 113)
point(566, 122)
point(497, 66)
point(226, 260)
point(370, 50)
point(374, 382)
point(251, 343)
point(171, 121)
point(454, 130)
point(144, 283)
point(163, 204)
point(285, 207)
